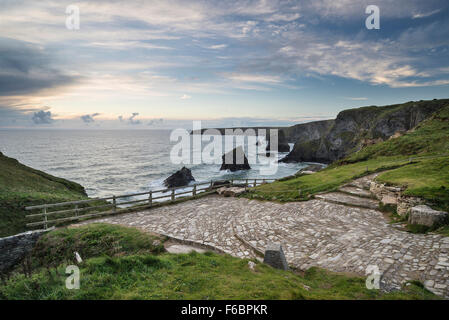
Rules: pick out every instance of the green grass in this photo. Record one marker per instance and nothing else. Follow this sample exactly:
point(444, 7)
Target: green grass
point(423, 177)
point(22, 186)
point(92, 240)
point(138, 272)
point(326, 180)
point(428, 179)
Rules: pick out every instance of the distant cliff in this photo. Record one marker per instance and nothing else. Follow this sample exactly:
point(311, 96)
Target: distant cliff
point(327, 141)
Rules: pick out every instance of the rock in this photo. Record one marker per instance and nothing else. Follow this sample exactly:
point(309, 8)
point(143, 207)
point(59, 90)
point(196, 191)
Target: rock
point(251, 265)
point(274, 256)
point(426, 216)
point(231, 192)
point(327, 141)
point(15, 248)
point(235, 160)
point(407, 202)
point(307, 288)
point(283, 145)
point(179, 179)
point(389, 200)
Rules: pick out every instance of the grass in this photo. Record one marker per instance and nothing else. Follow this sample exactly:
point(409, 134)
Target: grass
point(92, 240)
point(136, 271)
point(303, 187)
point(405, 161)
point(22, 186)
point(428, 179)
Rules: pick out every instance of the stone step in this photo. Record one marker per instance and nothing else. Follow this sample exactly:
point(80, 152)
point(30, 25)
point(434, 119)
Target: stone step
point(350, 200)
point(355, 191)
point(364, 182)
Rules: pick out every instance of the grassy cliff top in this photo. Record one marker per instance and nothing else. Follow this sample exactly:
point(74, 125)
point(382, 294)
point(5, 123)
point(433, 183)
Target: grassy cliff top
point(22, 186)
point(417, 160)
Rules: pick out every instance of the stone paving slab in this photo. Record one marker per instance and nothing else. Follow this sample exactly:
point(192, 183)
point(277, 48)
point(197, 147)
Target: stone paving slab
point(343, 198)
point(313, 233)
point(356, 191)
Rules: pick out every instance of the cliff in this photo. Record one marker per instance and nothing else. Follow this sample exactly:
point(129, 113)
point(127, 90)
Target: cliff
point(327, 141)
point(22, 186)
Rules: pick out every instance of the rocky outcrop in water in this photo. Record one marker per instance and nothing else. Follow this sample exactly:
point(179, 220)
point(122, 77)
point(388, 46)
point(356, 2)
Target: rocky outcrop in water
point(283, 145)
point(179, 179)
point(327, 141)
point(235, 160)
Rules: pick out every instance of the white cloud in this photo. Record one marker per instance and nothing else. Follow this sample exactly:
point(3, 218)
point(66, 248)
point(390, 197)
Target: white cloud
point(218, 46)
point(425, 15)
point(255, 78)
point(185, 97)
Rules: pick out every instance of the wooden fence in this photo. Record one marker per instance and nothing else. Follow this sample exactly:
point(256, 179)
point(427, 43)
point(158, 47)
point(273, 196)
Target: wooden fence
point(58, 213)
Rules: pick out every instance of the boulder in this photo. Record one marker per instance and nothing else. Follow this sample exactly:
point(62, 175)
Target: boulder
point(231, 192)
point(235, 160)
point(274, 256)
point(179, 179)
point(426, 216)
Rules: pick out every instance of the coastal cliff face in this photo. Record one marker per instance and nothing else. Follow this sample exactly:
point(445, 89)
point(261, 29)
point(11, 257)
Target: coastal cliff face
point(327, 141)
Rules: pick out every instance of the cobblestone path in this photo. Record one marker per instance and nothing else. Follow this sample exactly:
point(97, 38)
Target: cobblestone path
point(313, 233)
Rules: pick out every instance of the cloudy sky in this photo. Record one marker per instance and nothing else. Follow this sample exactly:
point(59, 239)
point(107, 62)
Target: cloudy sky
point(160, 64)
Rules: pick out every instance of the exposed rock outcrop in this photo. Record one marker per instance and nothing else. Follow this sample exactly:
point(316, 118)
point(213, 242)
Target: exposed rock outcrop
point(327, 141)
point(231, 191)
point(426, 216)
point(282, 145)
point(15, 248)
point(235, 160)
point(179, 179)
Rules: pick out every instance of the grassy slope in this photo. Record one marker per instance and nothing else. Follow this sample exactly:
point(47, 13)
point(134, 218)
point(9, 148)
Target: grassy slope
point(21, 186)
point(128, 265)
point(427, 178)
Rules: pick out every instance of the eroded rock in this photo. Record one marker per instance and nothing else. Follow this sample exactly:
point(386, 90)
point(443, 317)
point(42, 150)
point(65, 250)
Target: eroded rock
point(426, 216)
point(235, 160)
point(179, 179)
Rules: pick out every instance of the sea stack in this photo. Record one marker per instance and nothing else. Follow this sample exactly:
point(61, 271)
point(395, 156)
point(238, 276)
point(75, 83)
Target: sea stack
point(179, 179)
point(283, 145)
point(235, 160)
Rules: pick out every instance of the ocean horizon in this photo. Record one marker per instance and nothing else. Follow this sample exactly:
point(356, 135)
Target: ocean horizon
point(115, 162)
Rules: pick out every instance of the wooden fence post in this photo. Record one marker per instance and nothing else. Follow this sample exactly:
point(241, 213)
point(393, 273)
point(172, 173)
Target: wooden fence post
point(76, 210)
point(194, 190)
point(211, 184)
point(150, 198)
point(255, 182)
point(114, 204)
point(172, 194)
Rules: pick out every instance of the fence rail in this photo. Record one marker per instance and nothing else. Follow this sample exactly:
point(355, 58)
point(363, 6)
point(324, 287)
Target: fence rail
point(78, 210)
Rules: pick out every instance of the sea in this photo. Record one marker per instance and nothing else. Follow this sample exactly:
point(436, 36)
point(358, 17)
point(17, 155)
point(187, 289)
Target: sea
point(118, 162)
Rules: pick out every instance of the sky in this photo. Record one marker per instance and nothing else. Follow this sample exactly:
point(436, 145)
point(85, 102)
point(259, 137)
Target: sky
point(161, 64)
